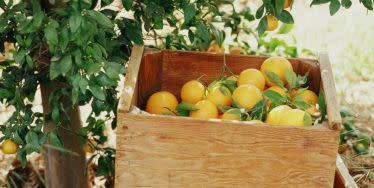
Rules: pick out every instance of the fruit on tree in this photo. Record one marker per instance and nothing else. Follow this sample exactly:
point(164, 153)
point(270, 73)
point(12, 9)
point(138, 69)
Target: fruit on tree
point(276, 114)
point(272, 23)
point(247, 95)
point(276, 65)
point(229, 115)
point(192, 91)
point(307, 96)
point(252, 76)
point(294, 117)
point(206, 109)
point(9, 147)
point(161, 103)
point(287, 3)
point(220, 95)
point(236, 51)
point(89, 146)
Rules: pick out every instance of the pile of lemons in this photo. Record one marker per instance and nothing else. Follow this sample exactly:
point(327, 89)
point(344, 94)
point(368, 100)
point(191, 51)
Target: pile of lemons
point(243, 97)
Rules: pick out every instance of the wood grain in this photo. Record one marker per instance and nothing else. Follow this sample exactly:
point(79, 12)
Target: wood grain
point(131, 78)
point(342, 177)
point(163, 151)
point(333, 112)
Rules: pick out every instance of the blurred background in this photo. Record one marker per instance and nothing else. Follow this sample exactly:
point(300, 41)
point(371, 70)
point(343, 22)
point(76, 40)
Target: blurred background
point(348, 37)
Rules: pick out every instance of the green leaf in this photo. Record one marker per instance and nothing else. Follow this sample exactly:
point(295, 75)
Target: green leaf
point(92, 67)
point(127, 4)
point(202, 32)
point(302, 105)
point(184, 106)
point(223, 108)
point(274, 78)
point(218, 35)
point(260, 12)
point(55, 113)
point(319, 2)
point(75, 22)
point(291, 78)
point(334, 6)
point(322, 105)
point(223, 90)
point(189, 12)
point(4, 94)
point(98, 92)
point(235, 111)
point(51, 36)
point(74, 95)
point(29, 61)
point(262, 25)
point(286, 17)
point(285, 28)
point(54, 70)
point(345, 112)
point(274, 97)
point(368, 4)
point(65, 64)
point(55, 140)
point(307, 119)
point(279, 7)
point(259, 111)
point(191, 36)
point(346, 3)
point(114, 70)
point(83, 83)
point(100, 18)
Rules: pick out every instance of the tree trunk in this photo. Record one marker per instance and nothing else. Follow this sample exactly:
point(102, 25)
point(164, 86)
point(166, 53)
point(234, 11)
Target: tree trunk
point(64, 170)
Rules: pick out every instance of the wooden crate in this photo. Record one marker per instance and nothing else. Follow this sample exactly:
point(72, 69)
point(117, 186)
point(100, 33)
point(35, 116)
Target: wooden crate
point(166, 151)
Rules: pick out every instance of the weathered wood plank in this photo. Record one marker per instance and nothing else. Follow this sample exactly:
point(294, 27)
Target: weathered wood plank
point(329, 89)
point(131, 78)
point(161, 151)
point(342, 177)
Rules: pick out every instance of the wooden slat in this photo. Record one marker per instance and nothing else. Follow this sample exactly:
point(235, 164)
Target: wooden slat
point(131, 78)
point(328, 84)
point(343, 178)
point(162, 151)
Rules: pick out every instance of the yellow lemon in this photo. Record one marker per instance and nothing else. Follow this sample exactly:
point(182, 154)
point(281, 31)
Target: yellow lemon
point(294, 117)
point(287, 3)
point(313, 111)
point(272, 23)
point(228, 115)
point(255, 121)
point(220, 95)
point(160, 102)
point(278, 66)
point(307, 96)
point(252, 76)
point(247, 95)
point(216, 49)
point(237, 51)
point(276, 113)
point(9, 147)
point(192, 91)
point(89, 146)
point(206, 109)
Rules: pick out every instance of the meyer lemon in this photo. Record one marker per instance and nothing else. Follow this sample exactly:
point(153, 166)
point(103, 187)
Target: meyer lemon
point(9, 147)
point(220, 95)
point(161, 103)
point(247, 95)
point(307, 96)
point(236, 51)
point(255, 121)
point(252, 76)
point(277, 65)
point(192, 91)
point(206, 109)
point(216, 49)
point(89, 146)
point(293, 117)
point(276, 113)
point(287, 3)
point(228, 115)
point(313, 111)
point(272, 23)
